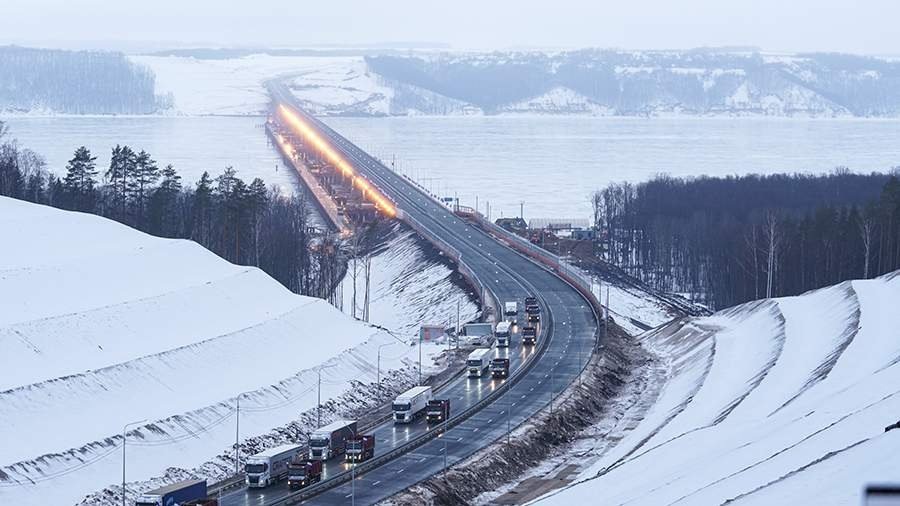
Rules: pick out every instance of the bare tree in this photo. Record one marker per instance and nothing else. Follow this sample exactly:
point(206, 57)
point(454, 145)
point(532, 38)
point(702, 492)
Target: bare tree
point(773, 240)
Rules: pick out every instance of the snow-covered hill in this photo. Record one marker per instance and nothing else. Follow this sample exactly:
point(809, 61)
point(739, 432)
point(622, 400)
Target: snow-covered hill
point(780, 401)
point(101, 325)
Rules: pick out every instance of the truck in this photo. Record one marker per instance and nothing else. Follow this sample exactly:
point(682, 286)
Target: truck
point(438, 410)
point(511, 308)
point(176, 493)
point(530, 302)
point(330, 440)
point(360, 448)
point(303, 472)
point(411, 403)
point(478, 361)
point(502, 333)
point(535, 315)
point(500, 367)
point(529, 335)
point(479, 334)
point(269, 466)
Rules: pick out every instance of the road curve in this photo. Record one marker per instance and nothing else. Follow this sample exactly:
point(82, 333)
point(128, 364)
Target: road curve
point(570, 329)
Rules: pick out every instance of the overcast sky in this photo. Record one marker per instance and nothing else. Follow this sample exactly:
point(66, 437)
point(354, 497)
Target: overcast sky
point(857, 26)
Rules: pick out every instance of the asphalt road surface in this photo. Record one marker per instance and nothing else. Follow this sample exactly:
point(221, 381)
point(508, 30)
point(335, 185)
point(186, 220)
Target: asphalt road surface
point(569, 326)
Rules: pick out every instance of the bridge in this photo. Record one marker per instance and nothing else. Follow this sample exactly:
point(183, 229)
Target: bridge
point(502, 268)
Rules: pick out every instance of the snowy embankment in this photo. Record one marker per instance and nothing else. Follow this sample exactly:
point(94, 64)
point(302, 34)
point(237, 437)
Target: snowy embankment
point(775, 401)
point(101, 325)
point(407, 288)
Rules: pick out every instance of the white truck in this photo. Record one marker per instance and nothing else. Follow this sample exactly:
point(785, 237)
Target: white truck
point(270, 465)
point(511, 308)
point(411, 403)
point(478, 361)
point(328, 441)
point(502, 333)
point(479, 334)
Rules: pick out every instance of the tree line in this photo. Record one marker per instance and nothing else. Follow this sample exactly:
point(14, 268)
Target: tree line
point(247, 224)
point(76, 82)
point(724, 241)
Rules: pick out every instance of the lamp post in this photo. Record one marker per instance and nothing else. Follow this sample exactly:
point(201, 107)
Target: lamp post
point(319, 394)
point(124, 440)
point(237, 432)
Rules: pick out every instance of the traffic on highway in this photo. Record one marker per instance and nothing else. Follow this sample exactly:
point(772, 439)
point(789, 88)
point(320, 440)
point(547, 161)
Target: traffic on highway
point(558, 324)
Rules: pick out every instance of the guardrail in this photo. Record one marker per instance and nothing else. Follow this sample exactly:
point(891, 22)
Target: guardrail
point(438, 431)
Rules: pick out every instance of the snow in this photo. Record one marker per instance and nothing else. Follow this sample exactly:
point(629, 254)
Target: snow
point(103, 325)
point(779, 401)
point(234, 86)
point(407, 289)
point(559, 100)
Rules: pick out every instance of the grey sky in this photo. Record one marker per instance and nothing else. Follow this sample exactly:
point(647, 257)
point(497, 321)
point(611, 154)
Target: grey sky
point(860, 26)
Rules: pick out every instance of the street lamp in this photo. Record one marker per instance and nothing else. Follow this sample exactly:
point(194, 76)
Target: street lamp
point(124, 440)
point(237, 432)
point(319, 396)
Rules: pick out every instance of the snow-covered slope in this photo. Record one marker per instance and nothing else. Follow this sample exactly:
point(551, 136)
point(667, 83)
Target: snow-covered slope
point(406, 288)
point(780, 401)
point(101, 325)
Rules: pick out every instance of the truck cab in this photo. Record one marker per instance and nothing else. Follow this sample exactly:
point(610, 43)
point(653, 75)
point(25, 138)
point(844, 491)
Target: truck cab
point(529, 335)
point(500, 367)
point(360, 448)
point(329, 440)
point(302, 473)
point(410, 404)
point(511, 308)
point(438, 410)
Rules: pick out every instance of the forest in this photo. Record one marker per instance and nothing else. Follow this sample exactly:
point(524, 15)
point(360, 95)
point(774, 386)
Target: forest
point(244, 223)
point(724, 241)
point(76, 82)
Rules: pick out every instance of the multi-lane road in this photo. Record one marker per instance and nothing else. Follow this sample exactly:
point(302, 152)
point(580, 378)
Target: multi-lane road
point(569, 328)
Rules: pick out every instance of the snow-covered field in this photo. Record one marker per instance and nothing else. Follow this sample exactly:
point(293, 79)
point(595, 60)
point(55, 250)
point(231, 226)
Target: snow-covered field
point(780, 401)
point(234, 86)
point(101, 325)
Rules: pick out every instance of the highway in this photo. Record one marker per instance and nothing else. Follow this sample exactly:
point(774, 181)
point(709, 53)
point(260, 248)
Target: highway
point(569, 327)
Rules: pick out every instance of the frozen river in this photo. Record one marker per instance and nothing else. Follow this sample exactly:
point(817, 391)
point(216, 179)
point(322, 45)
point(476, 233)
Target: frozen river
point(551, 163)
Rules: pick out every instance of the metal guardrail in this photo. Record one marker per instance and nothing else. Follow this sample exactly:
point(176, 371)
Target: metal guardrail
point(420, 440)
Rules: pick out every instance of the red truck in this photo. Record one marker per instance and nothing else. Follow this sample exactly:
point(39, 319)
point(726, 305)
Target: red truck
point(438, 410)
point(529, 335)
point(360, 448)
point(302, 473)
point(500, 367)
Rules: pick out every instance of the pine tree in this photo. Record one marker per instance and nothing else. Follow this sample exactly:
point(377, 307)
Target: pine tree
point(140, 182)
point(202, 208)
point(120, 174)
point(80, 181)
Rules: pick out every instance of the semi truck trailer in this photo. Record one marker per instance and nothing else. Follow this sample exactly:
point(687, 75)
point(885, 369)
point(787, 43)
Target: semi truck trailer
point(176, 493)
point(438, 410)
point(360, 448)
point(330, 440)
point(411, 403)
point(270, 465)
point(478, 361)
point(303, 473)
point(511, 308)
point(502, 332)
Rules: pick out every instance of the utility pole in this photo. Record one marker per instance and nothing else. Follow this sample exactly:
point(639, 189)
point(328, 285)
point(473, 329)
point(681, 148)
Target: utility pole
point(420, 356)
point(458, 330)
point(319, 395)
point(522, 209)
point(125, 440)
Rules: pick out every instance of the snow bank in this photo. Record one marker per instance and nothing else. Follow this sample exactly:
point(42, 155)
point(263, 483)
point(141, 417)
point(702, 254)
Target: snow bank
point(407, 288)
point(776, 401)
point(102, 325)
